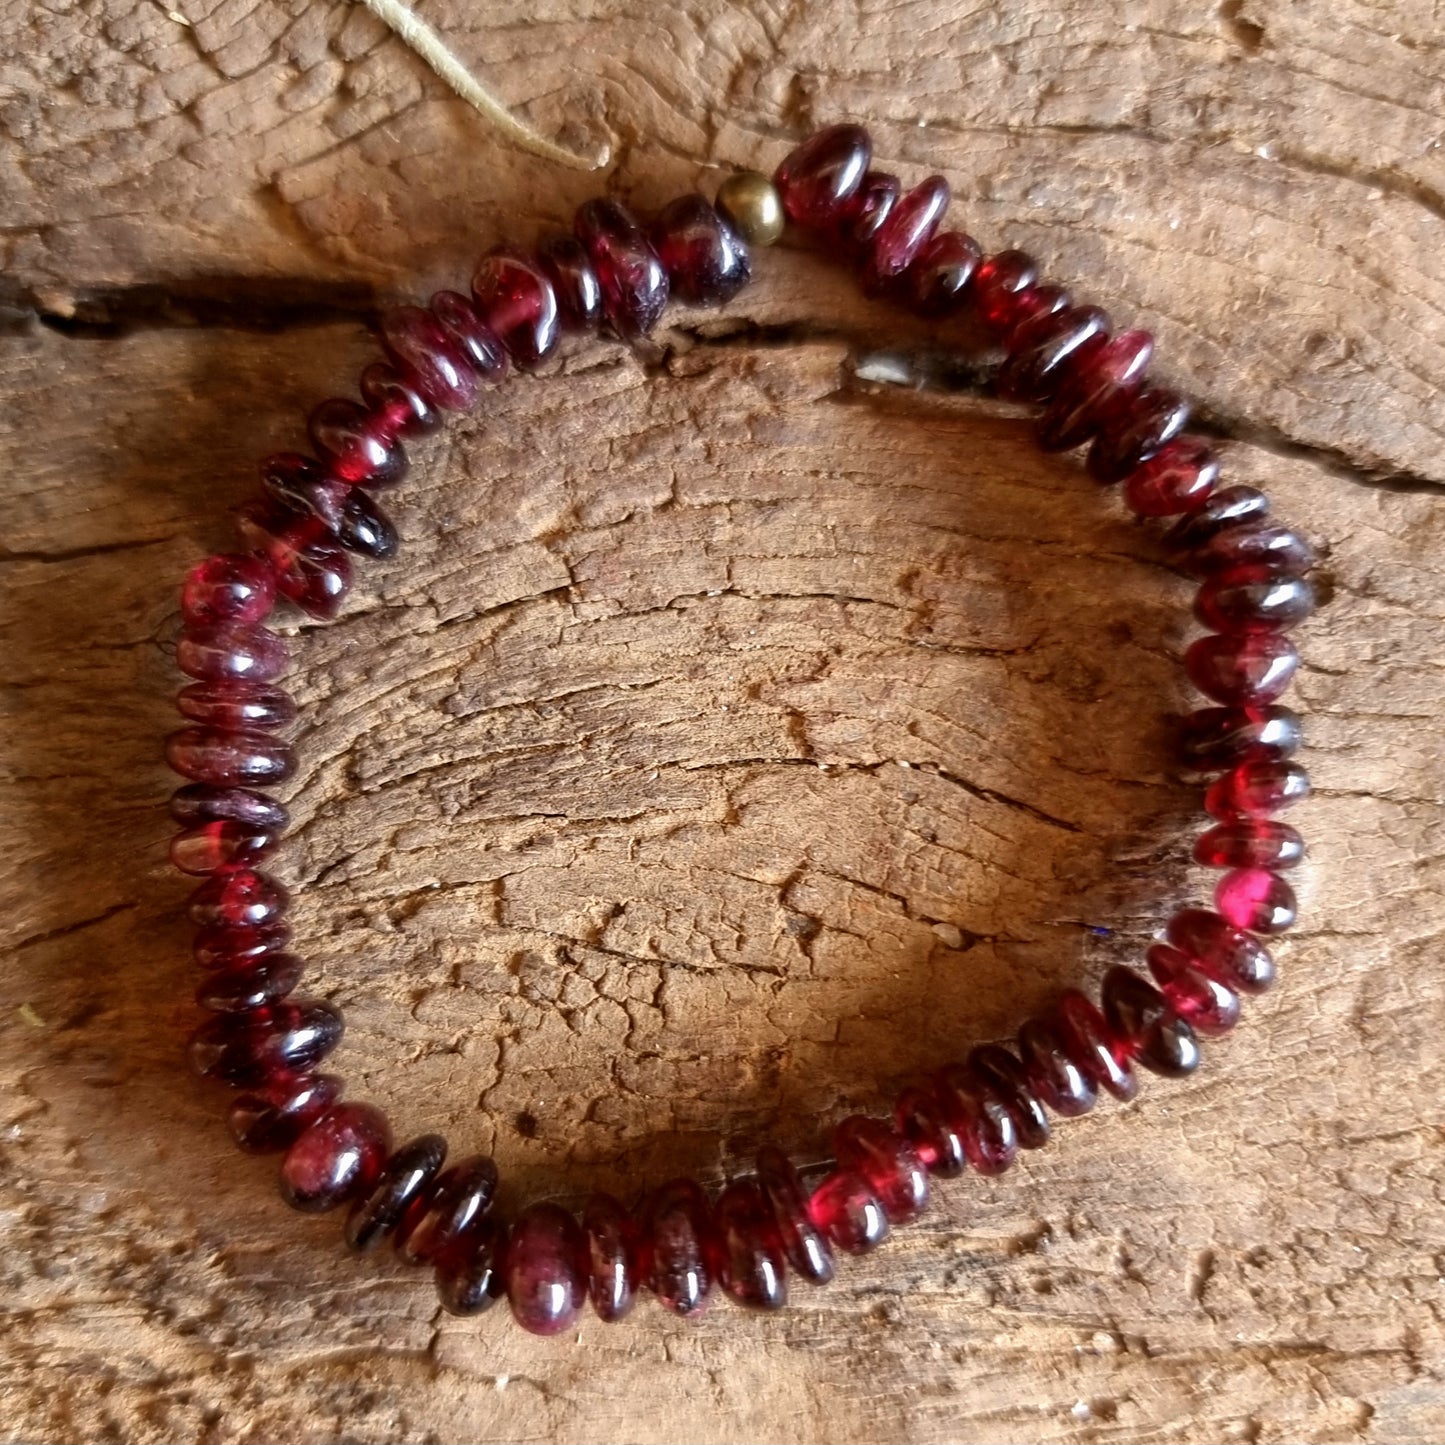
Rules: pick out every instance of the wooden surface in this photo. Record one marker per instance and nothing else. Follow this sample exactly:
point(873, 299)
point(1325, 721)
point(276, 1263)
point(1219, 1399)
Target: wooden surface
point(737, 732)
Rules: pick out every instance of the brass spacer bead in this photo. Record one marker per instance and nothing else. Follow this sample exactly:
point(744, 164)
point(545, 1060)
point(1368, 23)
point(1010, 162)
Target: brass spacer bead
point(749, 201)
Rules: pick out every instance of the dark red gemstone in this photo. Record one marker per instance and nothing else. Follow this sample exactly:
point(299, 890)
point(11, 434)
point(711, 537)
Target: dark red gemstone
point(429, 357)
point(252, 984)
point(1253, 599)
point(229, 759)
point(849, 1212)
point(747, 1248)
point(471, 1280)
point(1227, 507)
point(364, 528)
point(210, 847)
point(270, 1118)
point(517, 302)
point(678, 1246)
point(886, 1159)
point(404, 1179)
point(866, 210)
point(232, 589)
point(579, 294)
point(240, 898)
point(1257, 900)
point(1221, 949)
point(1133, 428)
point(1036, 303)
point(252, 1048)
point(1144, 1028)
point(905, 231)
point(1214, 738)
point(1251, 667)
point(221, 946)
point(355, 443)
point(231, 653)
point(803, 1242)
point(336, 1159)
point(1053, 1075)
point(456, 1202)
point(820, 177)
point(1283, 552)
point(938, 280)
point(399, 406)
point(1085, 1035)
point(706, 261)
point(201, 803)
point(634, 285)
point(467, 328)
point(1255, 790)
point(1208, 1004)
point(1039, 351)
point(1250, 843)
point(228, 706)
point(998, 284)
point(980, 1117)
point(1178, 478)
point(614, 1257)
point(302, 488)
point(1096, 376)
point(546, 1269)
point(311, 569)
point(1005, 1074)
point(923, 1121)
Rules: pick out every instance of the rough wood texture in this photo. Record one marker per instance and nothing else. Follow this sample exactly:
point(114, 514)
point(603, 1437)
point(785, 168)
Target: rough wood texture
point(734, 734)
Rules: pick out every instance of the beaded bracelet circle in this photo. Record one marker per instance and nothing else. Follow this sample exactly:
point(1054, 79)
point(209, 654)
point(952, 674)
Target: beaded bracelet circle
point(298, 538)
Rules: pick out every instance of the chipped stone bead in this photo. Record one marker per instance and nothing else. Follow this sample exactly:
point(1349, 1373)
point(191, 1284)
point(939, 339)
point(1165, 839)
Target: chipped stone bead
point(1253, 599)
point(311, 569)
point(804, 1244)
point(336, 1159)
point(356, 444)
point(404, 1179)
point(1039, 351)
point(1256, 789)
point(465, 325)
point(886, 1159)
point(1221, 949)
point(1052, 1073)
point(923, 1121)
point(251, 984)
point(271, 1117)
point(252, 1048)
point(1005, 1074)
point(455, 1203)
point(471, 1280)
point(1096, 376)
point(228, 706)
point(201, 803)
point(937, 283)
point(819, 177)
point(229, 758)
point(232, 589)
point(753, 207)
point(429, 358)
point(210, 847)
point(1133, 429)
point(867, 209)
point(706, 261)
point(903, 233)
point(1242, 667)
point(1207, 1003)
point(1085, 1034)
point(678, 1246)
point(1178, 478)
point(981, 1118)
point(747, 1248)
point(1212, 739)
point(239, 898)
point(1227, 507)
point(1282, 551)
point(565, 263)
point(1250, 843)
point(1144, 1027)
point(218, 945)
point(1257, 900)
point(634, 285)
point(614, 1257)
point(999, 283)
point(231, 653)
point(398, 405)
point(545, 1268)
point(517, 302)
point(847, 1209)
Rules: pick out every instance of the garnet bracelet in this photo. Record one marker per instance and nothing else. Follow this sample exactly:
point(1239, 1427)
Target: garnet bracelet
point(317, 512)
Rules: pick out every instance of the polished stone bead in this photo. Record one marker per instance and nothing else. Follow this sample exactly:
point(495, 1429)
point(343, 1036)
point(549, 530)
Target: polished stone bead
point(999, 283)
point(405, 1178)
point(233, 589)
point(1227, 507)
point(847, 1209)
point(516, 300)
point(1036, 303)
point(1096, 376)
point(1253, 599)
point(614, 1257)
point(753, 207)
point(1251, 667)
point(565, 263)
point(1002, 1071)
point(271, 1117)
point(1177, 479)
point(678, 1246)
point(867, 209)
point(399, 406)
point(1256, 900)
point(226, 759)
point(364, 528)
point(706, 261)
point(210, 847)
point(252, 1048)
point(937, 283)
point(747, 1248)
point(252, 984)
point(904, 232)
point(201, 803)
point(922, 1120)
point(1284, 552)
point(546, 1269)
point(240, 898)
point(301, 486)
point(221, 946)
point(887, 1160)
point(1039, 351)
point(819, 177)
point(429, 358)
point(311, 568)
point(980, 1117)
point(471, 1280)
point(1212, 739)
point(455, 1203)
point(1250, 843)
point(465, 325)
point(804, 1244)
point(230, 652)
point(356, 445)
point(1221, 949)
point(227, 706)
point(1255, 790)
point(1052, 1073)
point(1144, 1028)
point(1133, 428)
point(1207, 1003)
point(1085, 1035)
point(634, 285)
point(336, 1159)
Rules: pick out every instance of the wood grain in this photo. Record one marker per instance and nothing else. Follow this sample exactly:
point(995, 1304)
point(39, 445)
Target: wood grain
point(750, 719)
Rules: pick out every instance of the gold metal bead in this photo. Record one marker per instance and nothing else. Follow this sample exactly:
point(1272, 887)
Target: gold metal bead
point(750, 201)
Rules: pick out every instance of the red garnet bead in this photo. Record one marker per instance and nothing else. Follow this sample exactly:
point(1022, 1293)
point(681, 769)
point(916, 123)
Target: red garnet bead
point(706, 261)
point(231, 705)
point(231, 653)
point(981, 1119)
point(546, 1269)
point(634, 285)
point(1096, 377)
point(1252, 667)
point(937, 283)
point(847, 1209)
point(1052, 1072)
point(999, 285)
point(404, 1179)
point(923, 1121)
point(356, 444)
point(997, 1069)
point(233, 588)
point(517, 302)
point(1250, 843)
point(1257, 900)
point(470, 1280)
point(250, 984)
point(903, 233)
point(455, 1204)
point(1040, 349)
point(866, 210)
point(820, 177)
point(1226, 508)
point(1086, 1036)
point(220, 946)
point(302, 487)
point(252, 1048)
point(1253, 599)
point(803, 1242)
point(1283, 552)
point(565, 262)
point(1133, 428)
point(1145, 1029)
point(336, 1159)
point(201, 803)
point(311, 569)
point(227, 759)
point(465, 326)
point(1214, 738)
point(399, 407)
point(614, 1257)
point(209, 847)
point(239, 898)
point(747, 1247)
point(887, 1161)
point(1036, 303)
point(363, 527)
point(1208, 1004)
point(1221, 949)
point(429, 357)
point(270, 1118)
point(1255, 790)
point(678, 1246)
point(1178, 478)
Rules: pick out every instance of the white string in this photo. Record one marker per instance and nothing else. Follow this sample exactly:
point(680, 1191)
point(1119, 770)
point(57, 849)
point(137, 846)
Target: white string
point(420, 37)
